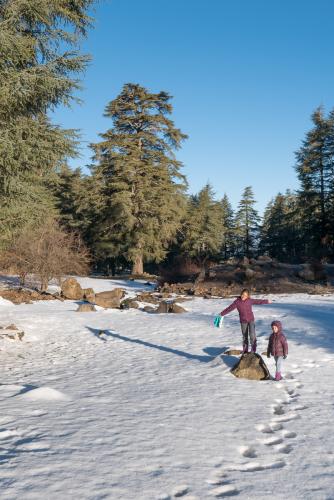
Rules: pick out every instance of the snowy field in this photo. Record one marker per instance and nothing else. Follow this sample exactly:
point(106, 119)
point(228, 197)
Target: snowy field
point(150, 410)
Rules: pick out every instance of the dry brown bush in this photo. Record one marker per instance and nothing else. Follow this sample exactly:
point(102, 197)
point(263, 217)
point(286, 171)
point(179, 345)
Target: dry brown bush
point(47, 252)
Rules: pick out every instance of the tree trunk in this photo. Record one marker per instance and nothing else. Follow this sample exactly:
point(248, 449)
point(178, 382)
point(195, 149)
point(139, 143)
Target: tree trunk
point(23, 277)
point(138, 265)
point(44, 284)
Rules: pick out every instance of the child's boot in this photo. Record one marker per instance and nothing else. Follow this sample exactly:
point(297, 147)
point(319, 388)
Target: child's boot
point(278, 376)
point(245, 348)
point(254, 346)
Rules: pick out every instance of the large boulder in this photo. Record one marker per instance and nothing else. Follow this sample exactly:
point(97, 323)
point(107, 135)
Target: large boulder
point(252, 367)
point(71, 289)
point(110, 299)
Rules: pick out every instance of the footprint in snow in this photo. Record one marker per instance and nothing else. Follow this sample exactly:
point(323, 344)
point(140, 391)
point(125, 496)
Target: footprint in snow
point(272, 441)
point(285, 448)
point(264, 428)
point(287, 418)
point(256, 466)
point(278, 410)
point(275, 426)
point(247, 451)
point(300, 408)
point(289, 434)
point(224, 491)
point(180, 491)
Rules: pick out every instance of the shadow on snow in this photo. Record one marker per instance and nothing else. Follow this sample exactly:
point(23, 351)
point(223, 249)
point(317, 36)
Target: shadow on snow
point(211, 352)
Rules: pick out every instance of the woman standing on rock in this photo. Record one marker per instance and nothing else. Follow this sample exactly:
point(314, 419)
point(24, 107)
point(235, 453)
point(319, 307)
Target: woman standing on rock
point(244, 305)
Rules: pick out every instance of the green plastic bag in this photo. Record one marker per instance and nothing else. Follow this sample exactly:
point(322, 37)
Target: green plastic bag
point(218, 321)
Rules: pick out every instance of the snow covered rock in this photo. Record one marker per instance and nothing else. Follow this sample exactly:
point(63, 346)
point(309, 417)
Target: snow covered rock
point(86, 308)
point(11, 332)
point(110, 299)
point(71, 289)
point(252, 367)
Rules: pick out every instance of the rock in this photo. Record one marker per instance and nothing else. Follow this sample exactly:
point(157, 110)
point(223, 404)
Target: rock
point(176, 309)
point(307, 273)
point(71, 289)
point(88, 294)
point(110, 299)
point(181, 299)
point(249, 273)
point(129, 304)
point(163, 307)
point(265, 258)
point(11, 327)
point(149, 309)
point(86, 308)
point(12, 332)
point(232, 352)
point(252, 367)
point(147, 297)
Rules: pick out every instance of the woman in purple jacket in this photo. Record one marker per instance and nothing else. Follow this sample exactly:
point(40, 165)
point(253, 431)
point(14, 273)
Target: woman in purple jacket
point(244, 305)
point(277, 347)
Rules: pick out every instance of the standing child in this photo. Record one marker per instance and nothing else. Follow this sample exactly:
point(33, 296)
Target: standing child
point(244, 305)
point(277, 347)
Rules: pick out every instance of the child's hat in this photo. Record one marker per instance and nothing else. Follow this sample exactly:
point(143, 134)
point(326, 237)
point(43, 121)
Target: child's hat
point(278, 324)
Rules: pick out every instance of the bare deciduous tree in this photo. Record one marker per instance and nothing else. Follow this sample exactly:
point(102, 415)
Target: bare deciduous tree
point(48, 252)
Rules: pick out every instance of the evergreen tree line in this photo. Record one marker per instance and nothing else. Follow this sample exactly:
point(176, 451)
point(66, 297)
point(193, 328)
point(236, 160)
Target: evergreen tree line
point(133, 208)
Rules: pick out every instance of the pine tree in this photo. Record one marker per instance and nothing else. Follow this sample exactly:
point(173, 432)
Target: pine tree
point(314, 167)
point(228, 248)
point(203, 230)
point(142, 186)
point(281, 228)
point(247, 223)
point(37, 73)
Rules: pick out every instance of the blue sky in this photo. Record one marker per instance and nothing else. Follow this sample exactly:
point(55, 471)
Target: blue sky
point(244, 76)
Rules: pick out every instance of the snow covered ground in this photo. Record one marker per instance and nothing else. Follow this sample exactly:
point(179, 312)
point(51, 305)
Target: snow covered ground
point(150, 410)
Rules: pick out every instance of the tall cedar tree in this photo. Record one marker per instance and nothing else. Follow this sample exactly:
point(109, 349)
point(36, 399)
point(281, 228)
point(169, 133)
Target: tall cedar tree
point(247, 224)
point(315, 171)
point(143, 189)
point(228, 247)
point(39, 65)
point(203, 231)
